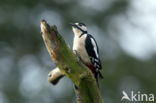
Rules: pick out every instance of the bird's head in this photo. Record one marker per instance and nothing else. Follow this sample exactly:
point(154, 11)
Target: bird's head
point(79, 28)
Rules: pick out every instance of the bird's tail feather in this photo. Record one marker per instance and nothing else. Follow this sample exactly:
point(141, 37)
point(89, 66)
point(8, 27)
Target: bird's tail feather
point(100, 75)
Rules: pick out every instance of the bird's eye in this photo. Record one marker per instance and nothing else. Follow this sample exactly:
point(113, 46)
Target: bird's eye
point(80, 24)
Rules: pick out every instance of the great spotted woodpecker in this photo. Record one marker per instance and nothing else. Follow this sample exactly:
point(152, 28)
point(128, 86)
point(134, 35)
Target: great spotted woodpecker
point(85, 47)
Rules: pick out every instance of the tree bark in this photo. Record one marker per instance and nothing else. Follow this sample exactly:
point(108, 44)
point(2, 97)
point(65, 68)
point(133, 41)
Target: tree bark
point(55, 75)
point(68, 64)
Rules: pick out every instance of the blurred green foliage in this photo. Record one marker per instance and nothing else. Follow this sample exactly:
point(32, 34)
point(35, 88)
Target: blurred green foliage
point(25, 63)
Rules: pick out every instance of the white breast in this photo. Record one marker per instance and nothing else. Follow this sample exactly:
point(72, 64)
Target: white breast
point(79, 47)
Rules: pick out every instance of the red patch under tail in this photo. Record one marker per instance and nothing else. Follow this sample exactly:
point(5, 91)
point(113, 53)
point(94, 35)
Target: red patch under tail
point(92, 68)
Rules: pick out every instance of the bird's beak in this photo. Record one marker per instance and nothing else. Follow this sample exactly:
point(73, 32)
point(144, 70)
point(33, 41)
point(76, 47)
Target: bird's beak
point(72, 24)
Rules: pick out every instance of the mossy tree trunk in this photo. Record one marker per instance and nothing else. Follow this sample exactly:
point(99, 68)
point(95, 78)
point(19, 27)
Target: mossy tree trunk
point(67, 62)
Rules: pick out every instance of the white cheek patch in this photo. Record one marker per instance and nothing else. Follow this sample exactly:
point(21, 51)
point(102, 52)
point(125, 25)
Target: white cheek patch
point(84, 28)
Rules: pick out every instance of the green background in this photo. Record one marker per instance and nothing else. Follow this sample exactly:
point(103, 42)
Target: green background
point(125, 31)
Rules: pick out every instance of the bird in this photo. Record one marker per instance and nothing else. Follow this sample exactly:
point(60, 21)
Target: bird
point(86, 48)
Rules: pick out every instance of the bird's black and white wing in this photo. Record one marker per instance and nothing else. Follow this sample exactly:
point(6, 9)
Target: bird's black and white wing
point(93, 52)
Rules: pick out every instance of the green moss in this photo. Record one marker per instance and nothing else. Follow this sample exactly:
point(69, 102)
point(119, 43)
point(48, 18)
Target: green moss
point(67, 62)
